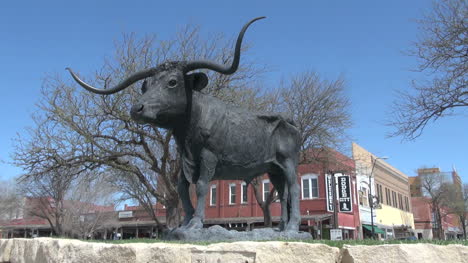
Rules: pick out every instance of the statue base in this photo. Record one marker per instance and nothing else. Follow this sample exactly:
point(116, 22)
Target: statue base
point(218, 233)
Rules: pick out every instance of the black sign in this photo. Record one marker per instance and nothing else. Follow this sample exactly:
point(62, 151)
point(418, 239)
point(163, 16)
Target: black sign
point(344, 194)
point(329, 192)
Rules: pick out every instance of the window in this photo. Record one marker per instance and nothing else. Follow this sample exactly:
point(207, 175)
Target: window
point(400, 201)
point(394, 198)
point(434, 221)
point(232, 194)
point(309, 186)
point(213, 195)
point(407, 204)
point(378, 192)
point(266, 189)
point(244, 193)
point(355, 198)
point(386, 196)
point(363, 196)
point(390, 197)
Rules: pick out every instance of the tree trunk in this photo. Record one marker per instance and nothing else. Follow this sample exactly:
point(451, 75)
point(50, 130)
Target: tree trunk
point(172, 216)
point(264, 205)
point(462, 221)
point(266, 215)
point(439, 222)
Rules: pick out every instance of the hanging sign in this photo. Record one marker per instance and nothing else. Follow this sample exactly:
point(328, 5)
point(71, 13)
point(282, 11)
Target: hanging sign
point(329, 192)
point(344, 194)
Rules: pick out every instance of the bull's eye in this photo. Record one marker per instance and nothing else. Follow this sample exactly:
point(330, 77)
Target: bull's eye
point(143, 87)
point(172, 83)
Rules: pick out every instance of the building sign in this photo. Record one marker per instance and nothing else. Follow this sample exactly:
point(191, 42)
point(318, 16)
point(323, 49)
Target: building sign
point(336, 234)
point(126, 214)
point(329, 192)
point(344, 194)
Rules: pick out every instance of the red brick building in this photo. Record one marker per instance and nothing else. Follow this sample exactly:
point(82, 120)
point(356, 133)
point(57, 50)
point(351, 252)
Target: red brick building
point(425, 225)
point(233, 204)
point(31, 219)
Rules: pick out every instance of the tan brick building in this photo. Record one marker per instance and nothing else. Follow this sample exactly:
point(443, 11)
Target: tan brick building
point(393, 215)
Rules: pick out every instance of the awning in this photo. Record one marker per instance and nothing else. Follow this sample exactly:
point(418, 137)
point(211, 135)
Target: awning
point(376, 229)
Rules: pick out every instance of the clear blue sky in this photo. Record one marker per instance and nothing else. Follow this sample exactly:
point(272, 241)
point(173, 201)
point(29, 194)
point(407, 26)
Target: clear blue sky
point(363, 40)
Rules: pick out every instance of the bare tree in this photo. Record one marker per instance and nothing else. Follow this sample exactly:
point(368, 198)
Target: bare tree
point(457, 202)
point(11, 200)
point(45, 155)
point(90, 206)
point(442, 51)
point(105, 135)
point(319, 108)
point(436, 188)
point(46, 197)
point(264, 201)
point(132, 189)
point(463, 209)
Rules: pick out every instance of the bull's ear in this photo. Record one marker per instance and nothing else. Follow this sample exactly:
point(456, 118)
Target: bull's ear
point(199, 80)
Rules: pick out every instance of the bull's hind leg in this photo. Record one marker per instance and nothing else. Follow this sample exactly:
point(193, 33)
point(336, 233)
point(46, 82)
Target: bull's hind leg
point(289, 171)
point(184, 194)
point(207, 169)
point(281, 186)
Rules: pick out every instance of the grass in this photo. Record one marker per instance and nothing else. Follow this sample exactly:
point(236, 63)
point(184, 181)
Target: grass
point(370, 242)
point(338, 244)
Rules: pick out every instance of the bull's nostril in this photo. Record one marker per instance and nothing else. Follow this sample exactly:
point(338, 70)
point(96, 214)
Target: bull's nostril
point(139, 108)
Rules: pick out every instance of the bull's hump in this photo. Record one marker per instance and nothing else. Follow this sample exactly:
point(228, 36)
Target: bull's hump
point(273, 117)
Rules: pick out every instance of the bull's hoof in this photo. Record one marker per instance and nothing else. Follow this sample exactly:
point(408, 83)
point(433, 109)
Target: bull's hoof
point(186, 221)
point(292, 228)
point(282, 225)
point(195, 223)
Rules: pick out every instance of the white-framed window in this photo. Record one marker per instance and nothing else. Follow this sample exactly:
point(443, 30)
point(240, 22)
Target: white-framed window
point(232, 194)
point(309, 186)
point(277, 196)
point(244, 193)
point(363, 196)
point(213, 195)
point(355, 194)
point(266, 189)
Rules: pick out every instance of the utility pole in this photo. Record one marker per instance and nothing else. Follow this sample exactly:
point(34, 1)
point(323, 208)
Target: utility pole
point(371, 197)
point(335, 208)
point(371, 200)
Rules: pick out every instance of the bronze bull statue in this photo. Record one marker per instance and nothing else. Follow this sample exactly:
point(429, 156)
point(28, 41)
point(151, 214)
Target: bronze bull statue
point(216, 140)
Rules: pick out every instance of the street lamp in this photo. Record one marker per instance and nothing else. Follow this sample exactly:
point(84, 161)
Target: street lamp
point(371, 198)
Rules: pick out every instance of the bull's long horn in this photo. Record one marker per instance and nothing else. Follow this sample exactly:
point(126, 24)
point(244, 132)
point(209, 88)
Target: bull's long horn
point(199, 64)
point(122, 85)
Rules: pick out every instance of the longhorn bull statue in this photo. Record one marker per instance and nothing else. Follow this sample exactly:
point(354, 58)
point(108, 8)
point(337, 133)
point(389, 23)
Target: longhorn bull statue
point(216, 140)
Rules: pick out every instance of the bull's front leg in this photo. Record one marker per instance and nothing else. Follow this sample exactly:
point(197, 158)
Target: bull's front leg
point(208, 163)
point(293, 200)
point(184, 195)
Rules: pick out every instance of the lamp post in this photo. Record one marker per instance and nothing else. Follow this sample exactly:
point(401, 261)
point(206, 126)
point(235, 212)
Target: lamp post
point(371, 197)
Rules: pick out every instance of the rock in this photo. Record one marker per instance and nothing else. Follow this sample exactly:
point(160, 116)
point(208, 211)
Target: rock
point(67, 250)
point(402, 253)
point(218, 233)
point(6, 245)
point(41, 250)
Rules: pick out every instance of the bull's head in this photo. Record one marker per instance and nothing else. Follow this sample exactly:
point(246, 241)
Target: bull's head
point(167, 91)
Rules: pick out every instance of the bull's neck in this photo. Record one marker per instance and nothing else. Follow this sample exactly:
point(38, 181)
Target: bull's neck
point(191, 118)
